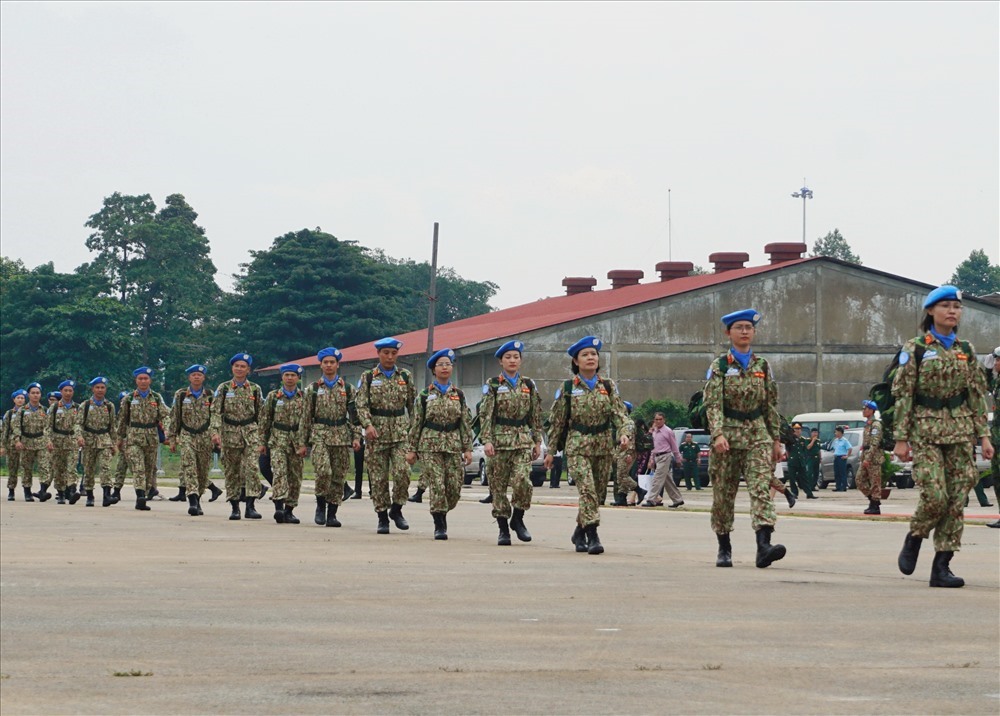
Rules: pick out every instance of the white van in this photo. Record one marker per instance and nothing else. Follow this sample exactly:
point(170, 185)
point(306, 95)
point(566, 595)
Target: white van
point(826, 422)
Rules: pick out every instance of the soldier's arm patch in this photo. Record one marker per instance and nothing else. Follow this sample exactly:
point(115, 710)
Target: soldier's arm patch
point(486, 389)
point(558, 393)
point(904, 357)
point(708, 375)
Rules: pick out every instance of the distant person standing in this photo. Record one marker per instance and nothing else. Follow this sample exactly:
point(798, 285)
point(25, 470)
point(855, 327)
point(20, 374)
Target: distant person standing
point(665, 453)
point(842, 450)
point(690, 453)
point(798, 464)
point(814, 455)
point(869, 478)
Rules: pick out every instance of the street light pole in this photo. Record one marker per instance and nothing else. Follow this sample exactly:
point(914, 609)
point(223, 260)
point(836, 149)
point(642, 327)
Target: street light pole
point(803, 193)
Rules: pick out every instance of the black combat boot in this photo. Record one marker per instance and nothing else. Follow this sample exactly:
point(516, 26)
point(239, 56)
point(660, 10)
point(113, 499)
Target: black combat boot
point(290, 518)
point(90, 498)
point(216, 492)
point(503, 539)
point(908, 555)
point(640, 494)
point(725, 556)
point(250, 513)
point(153, 493)
point(396, 515)
point(279, 512)
point(579, 539)
point(43, 492)
point(417, 496)
point(621, 499)
point(941, 575)
point(140, 500)
point(61, 496)
point(594, 545)
point(383, 523)
point(235, 514)
point(81, 487)
point(193, 507)
point(263, 491)
point(320, 516)
point(766, 552)
point(488, 499)
point(331, 515)
point(790, 496)
point(106, 496)
point(28, 497)
point(347, 491)
point(995, 525)
point(180, 496)
point(440, 528)
point(517, 524)
point(72, 496)
point(10, 495)
point(116, 496)
point(873, 508)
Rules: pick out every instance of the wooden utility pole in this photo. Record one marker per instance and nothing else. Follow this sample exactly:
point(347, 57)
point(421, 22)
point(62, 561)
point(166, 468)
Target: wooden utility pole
point(432, 297)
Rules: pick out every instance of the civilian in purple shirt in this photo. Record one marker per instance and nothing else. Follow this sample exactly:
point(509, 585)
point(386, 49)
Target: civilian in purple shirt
point(664, 453)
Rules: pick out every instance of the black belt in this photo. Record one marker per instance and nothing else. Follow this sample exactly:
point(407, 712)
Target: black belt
point(196, 431)
point(238, 423)
point(102, 431)
point(590, 429)
point(32, 435)
point(939, 403)
point(740, 415)
point(442, 427)
point(285, 428)
point(143, 425)
point(512, 422)
point(388, 413)
point(333, 423)
point(61, 432)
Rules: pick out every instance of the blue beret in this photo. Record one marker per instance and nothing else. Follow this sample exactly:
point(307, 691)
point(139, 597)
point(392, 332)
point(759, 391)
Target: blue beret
point(747, 314)
point(196, 368)
point(585, 342)
point(628, 406)
point(55, 395)
point(123, 394)
point(869, 404)
point(331, 351)
point(509, 346)
point(443, 353)
point(34, 385)
point(942, 293)
point(142, 370)
point(291, 368)
point(19, 391)
point(245, 357)
point(388, 343)
point(66, 384)
point(99, 379)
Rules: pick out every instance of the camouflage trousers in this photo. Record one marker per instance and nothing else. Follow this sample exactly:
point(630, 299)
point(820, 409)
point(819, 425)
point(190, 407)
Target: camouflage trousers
point(96, 465)
point(29, 460)
point(286, 464)
point(142, 463)
point(121, 469)
point(725, 469)
point(13, 465)
point(445, 474)
point(240, 467)
point(869, 480)
point(387, 462)
point(510, 468)
point(196, 461)
point(945, 474)
point(623, 465)
point(61, 464)
point(332, 463)
point(589, 472)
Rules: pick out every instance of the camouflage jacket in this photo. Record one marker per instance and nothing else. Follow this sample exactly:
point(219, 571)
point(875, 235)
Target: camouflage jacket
point(330, 415)
point(139, 418)
point(995, 430)
point(97, 424)
point(386, 403)
point(235, 413)
point(281, 421)
point(7, 436)
point(871, 439)
point(943, 374)
point(588, 418)
point(28, 427)
point(750, 392)
point(191, 417)
point(510, 416)
point(60, 425)
point(798, 451)
point(442, 422)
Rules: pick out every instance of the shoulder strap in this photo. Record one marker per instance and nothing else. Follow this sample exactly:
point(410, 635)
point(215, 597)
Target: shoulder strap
point(86, 409)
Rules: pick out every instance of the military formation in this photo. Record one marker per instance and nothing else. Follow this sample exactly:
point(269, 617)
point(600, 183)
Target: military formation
point(940, 396)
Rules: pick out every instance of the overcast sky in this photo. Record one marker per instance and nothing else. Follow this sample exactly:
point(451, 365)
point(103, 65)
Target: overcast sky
point(543, 137)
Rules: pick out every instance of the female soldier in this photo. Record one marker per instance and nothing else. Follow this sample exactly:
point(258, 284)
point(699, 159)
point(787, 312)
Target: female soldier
point(940, 413)
point(440, 434)
point(741, 401)
point(585, 410)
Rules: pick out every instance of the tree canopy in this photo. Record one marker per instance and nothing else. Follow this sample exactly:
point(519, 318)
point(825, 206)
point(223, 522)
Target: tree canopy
point(835, 246)
point(977, 275)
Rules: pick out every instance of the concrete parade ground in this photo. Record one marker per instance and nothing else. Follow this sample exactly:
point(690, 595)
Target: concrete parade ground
point(115, 611)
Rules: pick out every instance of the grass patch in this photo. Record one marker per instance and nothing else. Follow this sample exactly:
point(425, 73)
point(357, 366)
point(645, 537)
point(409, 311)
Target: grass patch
point(966, 665)
point(132, 672)
point(711, 667)
point(643, 667)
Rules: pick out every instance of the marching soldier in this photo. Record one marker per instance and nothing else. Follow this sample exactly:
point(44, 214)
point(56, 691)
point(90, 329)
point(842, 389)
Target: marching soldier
point(235, 412)
point(385, 407)
point(441, 436)
point(139, 416)
point(281, 437)
point(29, 440)
point(329, 425)
point(60, 433)
point(511, 432)
point(190, 423)
point(585, 411)
point(869, 478)
point(19, 397)
point(741, 400)
point(97, 434)
point(624, 459)
point(121, 467)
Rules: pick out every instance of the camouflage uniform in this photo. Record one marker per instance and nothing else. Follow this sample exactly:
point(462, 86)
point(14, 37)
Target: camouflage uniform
point(190, 427)
point(995, 435)
point(329, 426)
point(281, 433)
point(588, 417)
point(235, 412)
point(869, 478)
point(942, 437)
point(441, 431)
point(29, 430)
point(798, 467)
point(691, 452)
point(511, 419)
point(624, 459)
point(121, 470)
point(138, 424)
point(97, 425)
point(60, 431)
point(384, 402)
point(13, 456)
point(750, 422)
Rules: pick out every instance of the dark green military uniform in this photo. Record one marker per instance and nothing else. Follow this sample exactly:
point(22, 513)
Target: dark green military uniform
point(690, 452)
point(798, 467)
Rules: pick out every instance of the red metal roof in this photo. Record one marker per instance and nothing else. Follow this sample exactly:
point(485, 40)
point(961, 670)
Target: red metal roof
point(544, 313)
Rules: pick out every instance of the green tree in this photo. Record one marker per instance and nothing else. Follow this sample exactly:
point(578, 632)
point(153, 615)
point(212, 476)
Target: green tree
point(976, 275)
point(674, 413)
point(114, 237)
point(835, 246)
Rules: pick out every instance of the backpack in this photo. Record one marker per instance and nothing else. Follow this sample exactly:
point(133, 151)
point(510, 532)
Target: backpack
point(352, 412)
point(566, 393)
point(697, 411)
point(494, 386)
